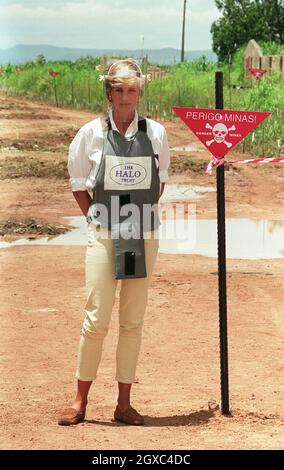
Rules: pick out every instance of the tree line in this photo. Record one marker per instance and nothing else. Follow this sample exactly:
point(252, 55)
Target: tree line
point(242, 20)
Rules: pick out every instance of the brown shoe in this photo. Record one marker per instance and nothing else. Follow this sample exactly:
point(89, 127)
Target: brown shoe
point(71, 416)
point(128, 416)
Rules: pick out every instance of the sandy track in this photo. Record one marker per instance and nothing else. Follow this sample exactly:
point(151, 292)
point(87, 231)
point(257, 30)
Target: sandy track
point(42, 300)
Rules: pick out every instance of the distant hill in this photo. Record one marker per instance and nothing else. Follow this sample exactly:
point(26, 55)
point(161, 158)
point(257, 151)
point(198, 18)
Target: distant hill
point(22, 53)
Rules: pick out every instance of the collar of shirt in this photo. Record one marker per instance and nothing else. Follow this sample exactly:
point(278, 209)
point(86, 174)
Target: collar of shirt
point(131, 130)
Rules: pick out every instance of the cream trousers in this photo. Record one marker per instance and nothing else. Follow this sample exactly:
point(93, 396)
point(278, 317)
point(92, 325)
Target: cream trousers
point(101, 286)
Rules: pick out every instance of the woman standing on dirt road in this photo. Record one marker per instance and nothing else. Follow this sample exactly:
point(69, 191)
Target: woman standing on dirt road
point(124, 160)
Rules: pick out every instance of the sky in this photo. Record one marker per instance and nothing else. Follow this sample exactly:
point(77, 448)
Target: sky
point(107, 24)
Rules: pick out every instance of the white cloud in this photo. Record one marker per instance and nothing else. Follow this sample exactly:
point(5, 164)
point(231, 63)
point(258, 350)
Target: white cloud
point(106, 23)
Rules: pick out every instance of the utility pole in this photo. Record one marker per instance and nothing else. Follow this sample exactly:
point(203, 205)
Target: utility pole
point(183, 31)
point(142, 46)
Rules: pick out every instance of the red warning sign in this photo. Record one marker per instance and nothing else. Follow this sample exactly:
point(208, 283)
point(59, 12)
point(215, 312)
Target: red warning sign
point(220, 129)
point(257, 73)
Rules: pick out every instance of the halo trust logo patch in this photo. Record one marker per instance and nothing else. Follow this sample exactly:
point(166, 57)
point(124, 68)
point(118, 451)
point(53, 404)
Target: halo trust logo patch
point(128, 174)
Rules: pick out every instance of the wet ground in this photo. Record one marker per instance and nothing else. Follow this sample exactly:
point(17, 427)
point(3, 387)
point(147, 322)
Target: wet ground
point(178, 377)
point(246, 238)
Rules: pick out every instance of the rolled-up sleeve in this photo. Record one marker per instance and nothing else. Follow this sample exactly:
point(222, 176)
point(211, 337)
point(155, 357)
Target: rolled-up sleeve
point(79, 165)
point(164, 158)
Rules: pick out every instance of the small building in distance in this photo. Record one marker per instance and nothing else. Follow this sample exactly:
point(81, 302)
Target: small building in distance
point(254, 58)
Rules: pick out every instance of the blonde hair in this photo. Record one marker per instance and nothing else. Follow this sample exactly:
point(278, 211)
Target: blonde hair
point(125, 71)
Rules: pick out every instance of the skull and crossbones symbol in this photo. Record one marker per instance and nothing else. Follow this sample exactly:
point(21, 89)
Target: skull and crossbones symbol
point(220, 132)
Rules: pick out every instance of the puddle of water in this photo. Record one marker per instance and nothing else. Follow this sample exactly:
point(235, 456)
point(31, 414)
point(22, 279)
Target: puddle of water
point(174, 192)
point(246, 239)
point(187, 148)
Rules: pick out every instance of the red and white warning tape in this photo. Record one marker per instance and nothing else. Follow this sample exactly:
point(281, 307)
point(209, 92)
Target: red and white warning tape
point(214, 162)
point(259, 160)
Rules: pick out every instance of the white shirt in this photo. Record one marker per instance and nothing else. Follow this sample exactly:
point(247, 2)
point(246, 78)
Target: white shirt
point(85, 151)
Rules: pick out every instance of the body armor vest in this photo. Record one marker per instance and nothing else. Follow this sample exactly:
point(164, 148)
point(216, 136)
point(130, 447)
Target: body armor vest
point(125, 196)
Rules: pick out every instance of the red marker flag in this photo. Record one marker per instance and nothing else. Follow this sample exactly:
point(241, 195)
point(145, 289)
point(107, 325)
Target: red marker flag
point(53, 73)
point(257, 73)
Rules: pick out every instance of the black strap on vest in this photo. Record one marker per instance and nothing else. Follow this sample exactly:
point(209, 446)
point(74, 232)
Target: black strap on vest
point(142, 125)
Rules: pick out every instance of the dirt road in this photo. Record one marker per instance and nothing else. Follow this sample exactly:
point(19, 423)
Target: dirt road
point(177, 385)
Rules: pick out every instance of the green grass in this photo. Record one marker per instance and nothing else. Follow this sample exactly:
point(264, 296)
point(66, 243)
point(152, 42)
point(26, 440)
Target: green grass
point(74, 87)
point(189, 84)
